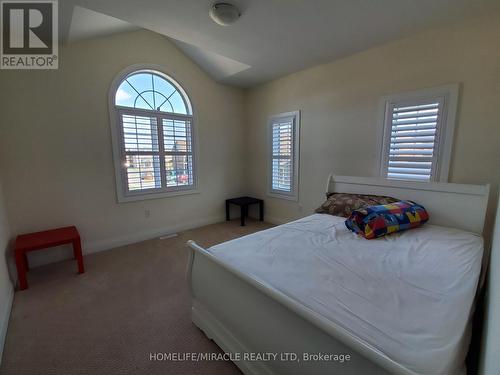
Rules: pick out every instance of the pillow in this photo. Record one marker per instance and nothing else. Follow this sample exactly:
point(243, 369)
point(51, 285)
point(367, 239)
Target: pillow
point(342, 204)
point(376, 221)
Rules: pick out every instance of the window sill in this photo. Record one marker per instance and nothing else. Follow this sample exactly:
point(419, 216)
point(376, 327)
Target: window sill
point(293, 198)
point(163, 194)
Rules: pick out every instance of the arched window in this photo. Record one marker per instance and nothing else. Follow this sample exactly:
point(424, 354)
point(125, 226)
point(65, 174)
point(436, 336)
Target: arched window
point(153, 136)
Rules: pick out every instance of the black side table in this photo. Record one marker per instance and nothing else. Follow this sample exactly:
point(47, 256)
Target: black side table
point(244, 202)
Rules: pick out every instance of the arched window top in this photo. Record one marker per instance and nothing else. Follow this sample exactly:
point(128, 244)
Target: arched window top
point(152, 90)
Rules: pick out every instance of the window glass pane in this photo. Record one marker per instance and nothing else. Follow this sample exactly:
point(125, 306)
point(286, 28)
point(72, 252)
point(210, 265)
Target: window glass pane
point(163, 92)
point(282, 138)
point(142, 86)
point(141, 81)
point(177, 135)
point(179, 170)
point(282, 175)
point(125, 95)
point(142, 102)
point(139, 133)
point(143, 172)
point(162, 85)
point(177, 104)
point(150, 91)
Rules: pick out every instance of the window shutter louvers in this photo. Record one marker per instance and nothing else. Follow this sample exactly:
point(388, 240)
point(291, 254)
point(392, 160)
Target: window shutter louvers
point(413, 145)
point(178, 152)
point(151, 164)
point(282, 154)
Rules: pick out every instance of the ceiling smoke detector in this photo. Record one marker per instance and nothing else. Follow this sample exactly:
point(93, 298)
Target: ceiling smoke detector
point(224, 13)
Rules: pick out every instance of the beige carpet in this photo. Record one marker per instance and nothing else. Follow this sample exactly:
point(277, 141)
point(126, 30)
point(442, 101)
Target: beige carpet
point(131, 301)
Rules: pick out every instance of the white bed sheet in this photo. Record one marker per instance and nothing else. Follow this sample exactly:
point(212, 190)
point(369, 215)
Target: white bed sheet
point(409, 294)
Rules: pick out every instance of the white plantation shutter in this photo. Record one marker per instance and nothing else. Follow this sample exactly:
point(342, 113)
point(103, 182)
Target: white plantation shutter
point(141, 151)
point(282, 164)
point(283, 154)
point(153, 165)
point(413, 144)
point(417, 143)
point(177, 138)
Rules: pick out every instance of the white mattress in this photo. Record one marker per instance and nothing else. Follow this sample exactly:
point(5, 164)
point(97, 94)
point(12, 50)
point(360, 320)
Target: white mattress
point(409, 295)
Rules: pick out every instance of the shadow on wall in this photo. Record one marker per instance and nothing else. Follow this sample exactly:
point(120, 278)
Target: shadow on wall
point(10, 261)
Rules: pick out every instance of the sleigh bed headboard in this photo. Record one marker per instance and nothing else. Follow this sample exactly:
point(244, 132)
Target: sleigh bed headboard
point(451, 205)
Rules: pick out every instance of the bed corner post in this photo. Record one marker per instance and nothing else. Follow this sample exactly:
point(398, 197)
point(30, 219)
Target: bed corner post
point(189, 268)
point(329, 181)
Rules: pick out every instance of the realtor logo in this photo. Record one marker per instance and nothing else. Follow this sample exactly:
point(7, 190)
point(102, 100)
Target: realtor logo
point(29, 35)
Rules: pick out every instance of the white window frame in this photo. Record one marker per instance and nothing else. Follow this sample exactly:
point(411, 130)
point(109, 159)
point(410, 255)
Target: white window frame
point(123, 194)
point(293, 195)
point(448, 96)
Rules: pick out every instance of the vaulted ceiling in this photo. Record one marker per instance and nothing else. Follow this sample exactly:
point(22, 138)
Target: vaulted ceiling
point(273, 37)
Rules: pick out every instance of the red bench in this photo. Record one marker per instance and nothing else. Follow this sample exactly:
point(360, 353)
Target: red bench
point(42, 240)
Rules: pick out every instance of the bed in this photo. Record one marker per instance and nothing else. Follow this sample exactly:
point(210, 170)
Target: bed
point(397, 305)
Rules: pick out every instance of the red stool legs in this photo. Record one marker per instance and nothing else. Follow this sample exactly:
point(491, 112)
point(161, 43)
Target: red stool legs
point(77, 251)
point(21, 269)
point(26, 265)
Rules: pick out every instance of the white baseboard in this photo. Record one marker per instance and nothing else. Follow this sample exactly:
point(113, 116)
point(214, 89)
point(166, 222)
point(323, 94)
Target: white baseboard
point(225, 340)
point(4, 319)
point(89, 247)
point(130, 238)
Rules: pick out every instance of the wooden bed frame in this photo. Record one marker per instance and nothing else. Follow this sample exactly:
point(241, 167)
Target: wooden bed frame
point(243, 315)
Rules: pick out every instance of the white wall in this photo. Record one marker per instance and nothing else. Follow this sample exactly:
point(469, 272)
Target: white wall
point(490, 360)
point(340, 127)
point(6, 290)
point(56, 146)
